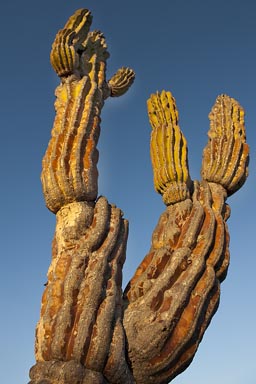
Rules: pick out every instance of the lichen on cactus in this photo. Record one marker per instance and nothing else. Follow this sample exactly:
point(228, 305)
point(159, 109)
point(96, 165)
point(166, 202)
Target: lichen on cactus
point(89, 331)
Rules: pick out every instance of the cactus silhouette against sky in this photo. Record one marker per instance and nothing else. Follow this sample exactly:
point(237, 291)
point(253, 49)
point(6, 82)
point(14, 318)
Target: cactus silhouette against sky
point(89, 330)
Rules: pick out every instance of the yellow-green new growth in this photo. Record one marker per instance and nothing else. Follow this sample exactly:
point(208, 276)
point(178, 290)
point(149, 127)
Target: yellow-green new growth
point(168, 149)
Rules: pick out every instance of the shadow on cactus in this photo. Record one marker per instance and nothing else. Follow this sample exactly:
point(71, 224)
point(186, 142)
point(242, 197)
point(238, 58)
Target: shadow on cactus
point(89, 330)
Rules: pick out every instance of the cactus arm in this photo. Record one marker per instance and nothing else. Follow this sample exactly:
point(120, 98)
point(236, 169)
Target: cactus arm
point(175, 291)
point(65, 55)
point(226, 156)
point(70, 163)
point(121, 81)
point(168, 149)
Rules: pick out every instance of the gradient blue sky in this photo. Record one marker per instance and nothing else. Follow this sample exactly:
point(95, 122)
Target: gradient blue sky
point(197, 49)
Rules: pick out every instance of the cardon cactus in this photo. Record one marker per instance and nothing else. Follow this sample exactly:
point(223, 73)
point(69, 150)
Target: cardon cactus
point(89, 330)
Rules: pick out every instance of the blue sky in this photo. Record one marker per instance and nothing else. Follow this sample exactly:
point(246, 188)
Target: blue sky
point(196, 49)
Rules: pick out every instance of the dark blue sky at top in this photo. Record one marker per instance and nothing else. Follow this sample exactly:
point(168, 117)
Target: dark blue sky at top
point(195, 49)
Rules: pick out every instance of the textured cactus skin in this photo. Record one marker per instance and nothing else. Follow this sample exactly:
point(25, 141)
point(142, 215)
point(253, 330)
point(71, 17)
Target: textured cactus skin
point(81, 313)
point(89, 331)
point(168, 149)
point(175, 291)
point(226, 155)
point(70, 163)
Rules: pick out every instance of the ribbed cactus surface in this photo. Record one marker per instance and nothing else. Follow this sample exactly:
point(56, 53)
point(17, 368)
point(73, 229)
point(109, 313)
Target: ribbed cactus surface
point(89, 331)
point(168, 149)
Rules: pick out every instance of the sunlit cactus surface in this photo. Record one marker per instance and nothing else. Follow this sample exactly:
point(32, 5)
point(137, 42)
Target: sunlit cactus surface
point(89, 331)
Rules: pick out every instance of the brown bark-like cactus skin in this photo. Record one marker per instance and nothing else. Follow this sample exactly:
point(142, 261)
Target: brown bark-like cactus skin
point(175, 291)
point(81, 313)
point(89, 331)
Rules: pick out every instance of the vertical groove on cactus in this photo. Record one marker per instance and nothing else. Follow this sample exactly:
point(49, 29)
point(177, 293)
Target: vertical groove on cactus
point(69, 166)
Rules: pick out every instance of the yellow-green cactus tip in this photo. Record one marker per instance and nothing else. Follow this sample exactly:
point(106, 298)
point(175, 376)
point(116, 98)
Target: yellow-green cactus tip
point(168, 149)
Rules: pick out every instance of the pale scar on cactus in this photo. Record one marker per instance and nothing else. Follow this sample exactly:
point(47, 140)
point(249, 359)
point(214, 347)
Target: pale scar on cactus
point(89, 331)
